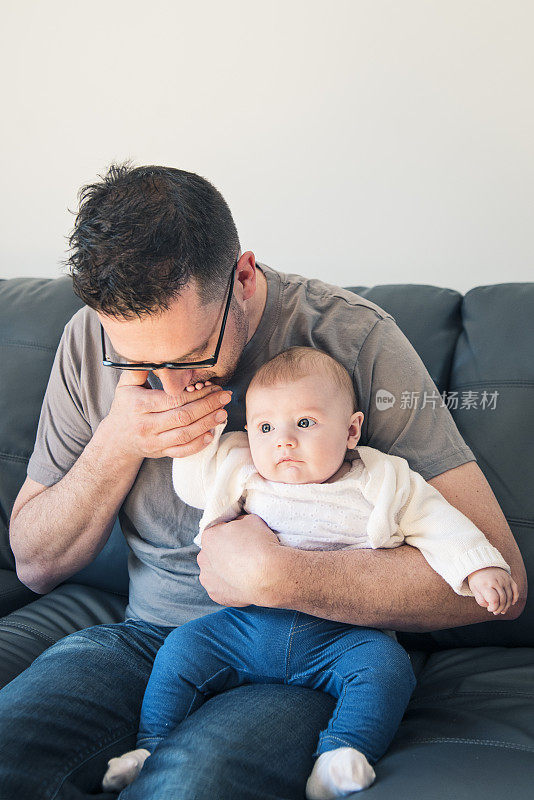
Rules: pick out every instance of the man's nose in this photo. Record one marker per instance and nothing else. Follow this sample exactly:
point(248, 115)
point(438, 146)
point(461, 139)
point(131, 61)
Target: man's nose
point(174, 381)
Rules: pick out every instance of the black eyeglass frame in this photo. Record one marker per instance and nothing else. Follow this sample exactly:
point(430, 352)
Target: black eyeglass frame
point(148, 367)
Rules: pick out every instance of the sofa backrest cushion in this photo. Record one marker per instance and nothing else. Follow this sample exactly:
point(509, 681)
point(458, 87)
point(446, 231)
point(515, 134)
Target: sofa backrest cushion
point(494, 368)
point(33, 313)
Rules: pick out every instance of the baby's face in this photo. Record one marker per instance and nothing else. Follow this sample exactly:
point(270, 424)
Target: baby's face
point(299, 431)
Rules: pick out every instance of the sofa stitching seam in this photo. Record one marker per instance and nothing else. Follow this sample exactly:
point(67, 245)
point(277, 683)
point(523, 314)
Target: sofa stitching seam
point(13, 457)
point(484, 742)
point(509, 693)
point(29, 629)
point(30, 345)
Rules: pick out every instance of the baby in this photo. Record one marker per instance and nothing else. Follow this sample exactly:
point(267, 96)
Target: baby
point(292, 471)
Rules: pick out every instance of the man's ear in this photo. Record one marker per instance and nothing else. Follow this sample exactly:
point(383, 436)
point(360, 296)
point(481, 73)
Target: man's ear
point(246, 273)
point(246, 428)
point(355, 428)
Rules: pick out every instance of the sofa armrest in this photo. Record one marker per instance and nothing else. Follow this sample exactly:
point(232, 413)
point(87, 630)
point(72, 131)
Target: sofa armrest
point(13, 593)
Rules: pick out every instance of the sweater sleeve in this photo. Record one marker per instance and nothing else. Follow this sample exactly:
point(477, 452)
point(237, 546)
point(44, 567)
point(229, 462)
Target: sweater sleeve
point(453, 546)
point(214, 478)
point(197, 477)
point(192, 476)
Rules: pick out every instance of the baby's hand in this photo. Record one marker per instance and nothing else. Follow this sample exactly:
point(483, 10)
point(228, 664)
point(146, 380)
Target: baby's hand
point(494, 589)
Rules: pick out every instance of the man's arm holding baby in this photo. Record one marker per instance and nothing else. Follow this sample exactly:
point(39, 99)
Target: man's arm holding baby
point(385, 588)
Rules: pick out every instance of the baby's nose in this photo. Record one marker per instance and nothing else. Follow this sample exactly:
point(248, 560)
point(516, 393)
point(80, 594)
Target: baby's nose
point(287, 440)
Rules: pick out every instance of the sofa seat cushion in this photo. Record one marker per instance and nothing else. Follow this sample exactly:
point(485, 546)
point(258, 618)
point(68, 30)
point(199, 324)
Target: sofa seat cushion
point(28, 631)
point(468, 732)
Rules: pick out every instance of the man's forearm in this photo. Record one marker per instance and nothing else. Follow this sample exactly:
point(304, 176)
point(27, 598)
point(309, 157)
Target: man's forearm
point(63, 528)
point(393, 588)
point(396, 588)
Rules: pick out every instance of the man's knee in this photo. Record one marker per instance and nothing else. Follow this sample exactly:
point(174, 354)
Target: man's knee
point(251, 742)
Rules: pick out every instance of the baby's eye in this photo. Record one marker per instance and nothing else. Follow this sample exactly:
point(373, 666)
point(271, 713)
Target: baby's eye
point(265, 427)
point(306, 422)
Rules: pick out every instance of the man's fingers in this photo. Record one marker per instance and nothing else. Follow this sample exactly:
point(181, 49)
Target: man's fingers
point(160, 402)
point(148, 413)
point(176, 437)
point(188, 414)
point(194, 446)
point(157, 401)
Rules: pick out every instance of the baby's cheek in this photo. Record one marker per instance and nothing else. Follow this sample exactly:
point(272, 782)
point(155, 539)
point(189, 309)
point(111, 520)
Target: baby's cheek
point(255, 451)
point(260, 457)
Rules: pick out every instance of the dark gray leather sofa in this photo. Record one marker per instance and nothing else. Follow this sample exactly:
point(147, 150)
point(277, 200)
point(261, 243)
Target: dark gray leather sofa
point(469, 730)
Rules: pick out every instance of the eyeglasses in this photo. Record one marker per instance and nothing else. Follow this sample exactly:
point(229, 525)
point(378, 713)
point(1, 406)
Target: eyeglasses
point(147, 367)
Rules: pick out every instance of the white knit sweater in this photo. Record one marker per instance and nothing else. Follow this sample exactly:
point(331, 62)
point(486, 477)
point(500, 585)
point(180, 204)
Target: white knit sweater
point(379, 503)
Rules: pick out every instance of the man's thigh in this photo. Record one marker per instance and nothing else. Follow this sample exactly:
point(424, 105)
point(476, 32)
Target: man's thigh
point(76, 706)
point(254, 742)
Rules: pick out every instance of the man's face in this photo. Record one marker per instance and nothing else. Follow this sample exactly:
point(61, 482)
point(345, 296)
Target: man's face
point(187, 331)
point(299, 431)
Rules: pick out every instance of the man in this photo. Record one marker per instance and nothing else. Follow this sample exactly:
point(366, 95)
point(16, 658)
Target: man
point(171, 299)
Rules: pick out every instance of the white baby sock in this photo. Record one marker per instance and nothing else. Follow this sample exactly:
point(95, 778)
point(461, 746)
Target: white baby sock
point(122, 771)
point(339, 772)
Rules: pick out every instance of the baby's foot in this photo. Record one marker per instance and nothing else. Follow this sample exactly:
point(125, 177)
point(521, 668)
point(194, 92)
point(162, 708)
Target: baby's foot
point(197, 386)
point(339, 772)
point(122, 771)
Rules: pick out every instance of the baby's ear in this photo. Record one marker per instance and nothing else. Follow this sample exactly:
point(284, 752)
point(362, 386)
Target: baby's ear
point(355, 429)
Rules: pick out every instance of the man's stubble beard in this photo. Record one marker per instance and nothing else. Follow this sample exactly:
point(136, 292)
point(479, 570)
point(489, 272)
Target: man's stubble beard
point(240, 338)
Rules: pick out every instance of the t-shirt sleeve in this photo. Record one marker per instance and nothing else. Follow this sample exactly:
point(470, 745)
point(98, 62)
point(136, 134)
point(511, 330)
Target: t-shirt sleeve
point(63, 430)
point(404, 413)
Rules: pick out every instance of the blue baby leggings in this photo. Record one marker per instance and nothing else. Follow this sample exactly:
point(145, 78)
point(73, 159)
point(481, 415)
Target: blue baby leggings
point(367, 671)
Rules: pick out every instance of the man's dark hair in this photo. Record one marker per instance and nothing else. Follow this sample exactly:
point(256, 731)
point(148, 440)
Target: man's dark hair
point(142, 234)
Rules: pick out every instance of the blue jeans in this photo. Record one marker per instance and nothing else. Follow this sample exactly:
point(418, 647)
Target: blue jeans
point(78, 705)
point(368, 673)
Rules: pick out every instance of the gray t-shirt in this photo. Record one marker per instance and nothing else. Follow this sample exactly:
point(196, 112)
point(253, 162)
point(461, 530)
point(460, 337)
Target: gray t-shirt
point(158, 526)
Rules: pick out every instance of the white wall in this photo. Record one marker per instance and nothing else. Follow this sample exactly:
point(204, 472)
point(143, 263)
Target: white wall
point(359, 141)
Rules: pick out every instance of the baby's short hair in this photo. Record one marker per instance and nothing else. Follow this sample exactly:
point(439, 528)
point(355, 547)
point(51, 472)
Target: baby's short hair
point(298, 362)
